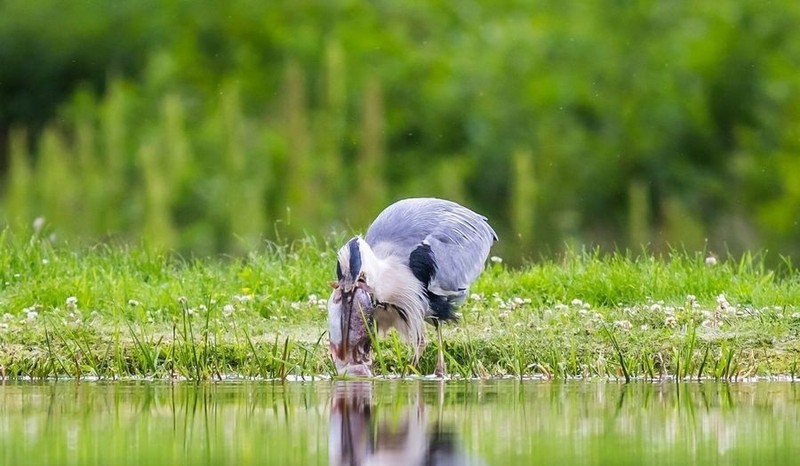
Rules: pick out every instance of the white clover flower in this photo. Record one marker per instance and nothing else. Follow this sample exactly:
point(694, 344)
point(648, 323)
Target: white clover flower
point(133, 303)
point(712, 323)
point(72, 302)
point(644, 327)
point(312, 298)
point(475, 297)
point(711, 260)
point(795, 315)
point(623, 324)
point(243, 298)
point(518, 301)
point(228, 309)
point(671, 321)
point(496, 259)
point(182, 300)
point(189, 311)
point(724, 305)
point(31, 314)
point(202, 308)
point(576, 302)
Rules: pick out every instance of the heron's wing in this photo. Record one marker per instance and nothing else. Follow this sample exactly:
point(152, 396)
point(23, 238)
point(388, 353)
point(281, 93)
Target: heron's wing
point(453, 238)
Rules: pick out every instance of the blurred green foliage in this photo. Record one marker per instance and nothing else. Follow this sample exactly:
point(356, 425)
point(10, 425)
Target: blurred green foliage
point(207, 126)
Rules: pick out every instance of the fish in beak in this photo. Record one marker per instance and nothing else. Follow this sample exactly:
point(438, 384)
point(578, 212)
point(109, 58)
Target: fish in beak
point(350, 310)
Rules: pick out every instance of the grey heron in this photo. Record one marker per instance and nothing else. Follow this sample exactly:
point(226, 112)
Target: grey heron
point(414, 265)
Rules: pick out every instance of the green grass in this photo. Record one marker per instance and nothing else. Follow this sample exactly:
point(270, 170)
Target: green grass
point(114, 311)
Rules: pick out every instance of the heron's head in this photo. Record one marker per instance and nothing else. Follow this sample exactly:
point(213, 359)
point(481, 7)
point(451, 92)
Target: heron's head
point(350, 308)
point(356, 264)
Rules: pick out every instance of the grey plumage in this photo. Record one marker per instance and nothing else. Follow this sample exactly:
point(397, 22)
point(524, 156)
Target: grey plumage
point(459, 238)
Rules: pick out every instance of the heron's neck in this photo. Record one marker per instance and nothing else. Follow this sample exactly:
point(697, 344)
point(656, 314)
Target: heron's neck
point(394, 283)
point(403, 297)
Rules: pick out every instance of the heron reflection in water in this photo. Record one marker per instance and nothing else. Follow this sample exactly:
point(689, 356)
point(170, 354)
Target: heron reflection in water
point(358, 437)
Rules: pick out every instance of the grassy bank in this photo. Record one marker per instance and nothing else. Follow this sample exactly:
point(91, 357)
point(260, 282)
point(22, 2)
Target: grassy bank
point(114, 311)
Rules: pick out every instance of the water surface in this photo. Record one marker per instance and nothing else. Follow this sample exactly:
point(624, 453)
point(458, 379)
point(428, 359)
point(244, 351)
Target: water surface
point(498, 422)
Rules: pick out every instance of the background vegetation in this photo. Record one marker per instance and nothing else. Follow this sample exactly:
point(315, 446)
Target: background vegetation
point(207, 126)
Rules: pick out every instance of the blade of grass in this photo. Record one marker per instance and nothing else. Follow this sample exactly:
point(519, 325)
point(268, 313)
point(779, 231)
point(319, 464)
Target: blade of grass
point(620, 355)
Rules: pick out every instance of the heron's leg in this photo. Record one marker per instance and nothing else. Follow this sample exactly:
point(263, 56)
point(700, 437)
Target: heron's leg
point(440, 368)
point(421, 343)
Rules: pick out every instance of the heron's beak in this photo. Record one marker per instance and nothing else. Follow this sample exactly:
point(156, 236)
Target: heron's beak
point(347, 304)
point(349, 314)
